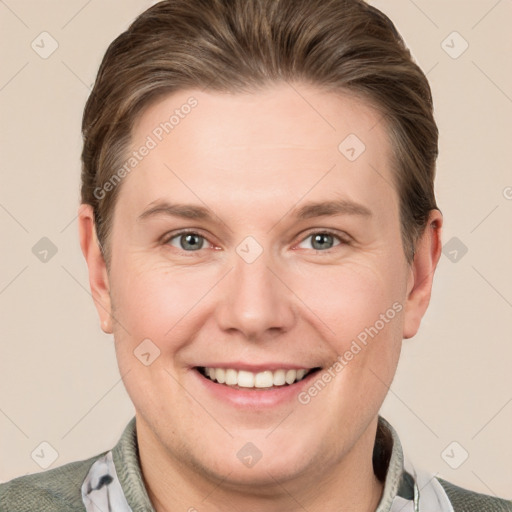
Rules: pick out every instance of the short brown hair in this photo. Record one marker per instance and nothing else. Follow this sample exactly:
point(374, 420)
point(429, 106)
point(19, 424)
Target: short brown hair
point(240, 45)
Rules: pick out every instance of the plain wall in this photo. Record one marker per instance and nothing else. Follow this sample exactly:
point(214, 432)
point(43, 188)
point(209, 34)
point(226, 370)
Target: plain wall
point(59, 378)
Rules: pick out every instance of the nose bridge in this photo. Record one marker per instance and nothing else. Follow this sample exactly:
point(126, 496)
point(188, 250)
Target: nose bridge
point(254, 298)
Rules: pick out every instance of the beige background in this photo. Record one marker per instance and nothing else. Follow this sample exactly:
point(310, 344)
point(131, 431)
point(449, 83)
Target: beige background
point(59, 379)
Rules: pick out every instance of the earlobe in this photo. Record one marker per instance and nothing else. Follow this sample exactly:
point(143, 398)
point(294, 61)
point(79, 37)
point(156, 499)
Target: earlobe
point(421, 275)
point(98, 276)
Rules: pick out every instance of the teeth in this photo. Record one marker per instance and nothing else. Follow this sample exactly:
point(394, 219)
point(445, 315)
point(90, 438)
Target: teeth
point(291, 375)
point(245, 379)
point(279, 378)
point(220, 375)
point(264, 380)
point(231, 377)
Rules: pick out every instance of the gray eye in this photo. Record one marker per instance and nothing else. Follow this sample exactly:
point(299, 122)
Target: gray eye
point(322, 241)
point(188, 241)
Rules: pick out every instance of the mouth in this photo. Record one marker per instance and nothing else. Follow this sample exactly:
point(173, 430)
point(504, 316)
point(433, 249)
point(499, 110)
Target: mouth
point(257, 381)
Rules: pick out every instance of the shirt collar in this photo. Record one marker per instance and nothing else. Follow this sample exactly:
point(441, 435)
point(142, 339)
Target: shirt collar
point(120, 471)
point(388, 458)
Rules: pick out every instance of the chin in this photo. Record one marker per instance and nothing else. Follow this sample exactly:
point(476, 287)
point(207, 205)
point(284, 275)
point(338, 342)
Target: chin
point(260, 463)
point(264, 474)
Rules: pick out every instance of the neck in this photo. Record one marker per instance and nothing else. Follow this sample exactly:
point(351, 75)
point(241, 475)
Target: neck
point(348, 484)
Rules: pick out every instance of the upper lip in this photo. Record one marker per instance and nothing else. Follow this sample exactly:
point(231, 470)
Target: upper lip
point(256, 368)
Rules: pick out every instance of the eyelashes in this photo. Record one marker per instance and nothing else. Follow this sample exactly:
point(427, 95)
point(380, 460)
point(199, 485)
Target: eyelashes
point(181, 236)
point(323, 234)
point(190, 238)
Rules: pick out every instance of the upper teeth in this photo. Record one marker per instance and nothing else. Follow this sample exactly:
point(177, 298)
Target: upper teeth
point(245, 379)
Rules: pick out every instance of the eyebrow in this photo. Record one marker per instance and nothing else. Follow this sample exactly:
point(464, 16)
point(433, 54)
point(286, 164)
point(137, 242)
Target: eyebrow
point(309, 210)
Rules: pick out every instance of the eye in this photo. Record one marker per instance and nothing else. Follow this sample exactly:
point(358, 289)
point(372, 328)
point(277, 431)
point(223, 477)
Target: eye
point(191, 241)
point(323, 240)
point(188, 241)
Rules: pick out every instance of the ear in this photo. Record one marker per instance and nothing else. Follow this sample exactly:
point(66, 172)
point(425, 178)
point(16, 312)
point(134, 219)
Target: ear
point(98, 277)
point(421, 274)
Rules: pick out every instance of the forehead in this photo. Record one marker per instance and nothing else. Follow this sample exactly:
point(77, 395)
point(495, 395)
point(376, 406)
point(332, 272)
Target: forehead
point(291, 139)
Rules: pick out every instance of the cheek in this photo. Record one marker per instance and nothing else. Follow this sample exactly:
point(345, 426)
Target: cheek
point(362, 307)
point(157, 302)
point(154, 320)
point(351, 298)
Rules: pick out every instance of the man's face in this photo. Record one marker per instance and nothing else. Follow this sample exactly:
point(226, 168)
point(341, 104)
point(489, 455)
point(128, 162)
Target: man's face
point(256, 287)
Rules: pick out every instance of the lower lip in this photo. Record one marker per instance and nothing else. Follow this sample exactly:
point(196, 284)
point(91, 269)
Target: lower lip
point(254, 397)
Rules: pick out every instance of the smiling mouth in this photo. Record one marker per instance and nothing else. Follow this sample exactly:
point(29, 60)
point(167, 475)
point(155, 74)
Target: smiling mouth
point(242, 379)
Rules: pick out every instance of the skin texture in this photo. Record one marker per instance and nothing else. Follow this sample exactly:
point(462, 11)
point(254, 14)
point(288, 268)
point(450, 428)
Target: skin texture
point(254, 159)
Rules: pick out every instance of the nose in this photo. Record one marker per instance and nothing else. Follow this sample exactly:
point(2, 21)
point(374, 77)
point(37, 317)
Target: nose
point(255, 300)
